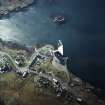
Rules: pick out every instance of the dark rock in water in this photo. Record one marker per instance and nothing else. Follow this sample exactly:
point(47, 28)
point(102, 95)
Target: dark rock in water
point(58, 19)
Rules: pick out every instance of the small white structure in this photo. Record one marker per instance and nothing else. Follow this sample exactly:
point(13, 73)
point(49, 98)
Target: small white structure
point(60, 47)
point(54, 80)
point(59, 61)
point(58, 55)
point(24, 74)
point(17, 62)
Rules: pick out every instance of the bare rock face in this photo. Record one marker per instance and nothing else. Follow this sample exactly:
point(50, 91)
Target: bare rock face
point(6, 6)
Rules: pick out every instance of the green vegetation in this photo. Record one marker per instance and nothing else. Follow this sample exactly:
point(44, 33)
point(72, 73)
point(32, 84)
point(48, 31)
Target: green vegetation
point(47, 67)
point(16, 91)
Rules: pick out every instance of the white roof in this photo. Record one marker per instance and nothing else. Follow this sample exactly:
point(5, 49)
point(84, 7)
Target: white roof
point(54, 80)
point(17, 62)
point(60, 49)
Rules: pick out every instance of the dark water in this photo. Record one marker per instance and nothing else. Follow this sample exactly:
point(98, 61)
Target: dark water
point(83, 35)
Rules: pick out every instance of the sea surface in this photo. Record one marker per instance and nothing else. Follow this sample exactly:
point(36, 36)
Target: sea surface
point(83, 34)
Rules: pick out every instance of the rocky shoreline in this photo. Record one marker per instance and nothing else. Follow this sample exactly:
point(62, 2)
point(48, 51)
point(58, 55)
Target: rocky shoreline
point(81, 92)
point(9, 6)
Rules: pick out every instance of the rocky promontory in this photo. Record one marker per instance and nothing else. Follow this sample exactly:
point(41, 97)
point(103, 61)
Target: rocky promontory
point(7, 6)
